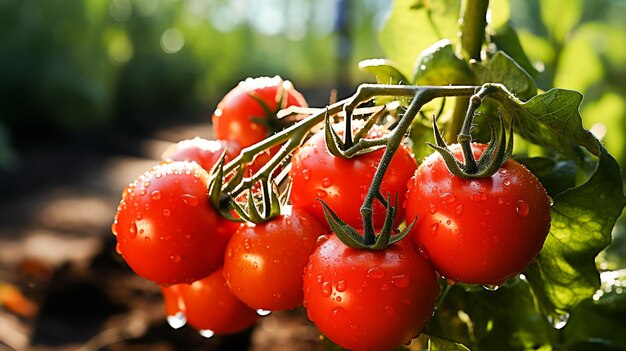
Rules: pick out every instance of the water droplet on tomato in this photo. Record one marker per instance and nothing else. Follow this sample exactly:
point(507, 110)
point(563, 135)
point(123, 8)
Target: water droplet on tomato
point(118, 249)
point(341, 286)
point(375, 273)
point(550, 201)
point(142, 192)
point(175, 258)
point(521, 207)
point(247, 244)
point(335, 311)
point(432, 208)
point(506, 182)
point(190, 200)
point(114, 227)
point(423, 252)
point(487, 212)
point(206, 333)
point(255, 265)
point(502, 171)
point(447, 198)
point(139, 216)
point(326, 289)
point(306, 174)
point(146, 184)
point(433, 229)
point(401, 281)
point(261, 312)
point(146, 239)
point(491, 287)
point(326, 182)
point(277, 295)
point(132, 229)
point(354, 326)
point(338, 298)
point(321, 194)
point(458, 210)
point(500, 201)
point(155, 195)
point(177, 320)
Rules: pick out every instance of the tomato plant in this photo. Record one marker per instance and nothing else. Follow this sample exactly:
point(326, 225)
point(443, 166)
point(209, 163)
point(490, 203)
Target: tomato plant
point(479, 231)
point(369, 300)
point(247, 113)
point(166, 229)
point(342, 183)
point(264, 262)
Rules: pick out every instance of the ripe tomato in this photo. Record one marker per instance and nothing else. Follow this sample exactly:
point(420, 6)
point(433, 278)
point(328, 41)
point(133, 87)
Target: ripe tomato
point(264, 262)
point(204, 152)
point(211, 308)
point(240, 116)
point(174, 305)
point(167, 230)
point(478, 231)
point(366, 299)
point(343, 183)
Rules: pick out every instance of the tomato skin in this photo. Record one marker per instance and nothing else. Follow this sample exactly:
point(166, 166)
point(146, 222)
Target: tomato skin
point(203, 151)
point(264, 262)
point(369, 300)
point(234, 117)
point(167, 231)
point(343, 183)
point(209, 305)
point(478, 231)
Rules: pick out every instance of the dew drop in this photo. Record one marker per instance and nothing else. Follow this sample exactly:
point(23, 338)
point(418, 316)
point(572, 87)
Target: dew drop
point(132, 229)
point(500, 201)
point(354, 326)
point(142, 192)
point(458, 210)
point(177, 320)
point(261, 312)
point(326, 289)
point(338, 299)
point(559, 321)
point(175, 258)
point(341, 286)
point(491, 287)
point(401, 281)
point(206, 333)
point(447, 198)
point(229, 253)
point(335, 311)
point(521, 207)
point(432, 208)
point(146, 184)
point(155, 195)
point(506, 182)
point(487, 212)
point(118, 249)
point(146, 239)
point(434, 228)
point(306, 174)
point(167, 212)
point(321, 194)
point(375, 273)
point(326, 182)
point(255, 265)
point(423, 252)
point(479, 196)
point(190, 200)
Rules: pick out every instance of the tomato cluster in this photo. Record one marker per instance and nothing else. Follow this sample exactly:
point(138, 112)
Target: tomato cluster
point(220, 275)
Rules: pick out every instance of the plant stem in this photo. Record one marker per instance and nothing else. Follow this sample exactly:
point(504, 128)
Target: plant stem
point(473, 20)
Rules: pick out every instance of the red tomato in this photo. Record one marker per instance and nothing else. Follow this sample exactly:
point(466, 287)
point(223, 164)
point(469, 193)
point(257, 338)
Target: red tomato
point(204, 152)
point(211, 308)
point(264, 262)
point(174, 305)
point(240, 115)
point(343, 183)
point(478, 231)
point(366, 299)
point(167, 230)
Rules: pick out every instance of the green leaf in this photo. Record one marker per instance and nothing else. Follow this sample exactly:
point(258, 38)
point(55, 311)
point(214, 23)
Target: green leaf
point(551, 120)
point(439, 65)
point(582, 219)
point(506, 40)
point(501, 68)
point(560, 16)
point(413, 26)
point(385, 71)
point(440, 344)
point(556, 176)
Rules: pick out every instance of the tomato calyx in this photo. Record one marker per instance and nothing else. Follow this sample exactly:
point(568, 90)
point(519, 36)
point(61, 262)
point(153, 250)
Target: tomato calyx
point(369, 240)
point(498, 150)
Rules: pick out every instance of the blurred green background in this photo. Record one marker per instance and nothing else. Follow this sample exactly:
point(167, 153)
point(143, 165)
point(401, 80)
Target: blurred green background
point(71, 68)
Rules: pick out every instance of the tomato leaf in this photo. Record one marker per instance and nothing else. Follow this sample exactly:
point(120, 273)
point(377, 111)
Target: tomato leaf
point(385, 71)
point(413, 26)
point(582, 219)
point(556, 176)
point(506, 39)
point(501, 68)
point(440, 344)
point(439, 65)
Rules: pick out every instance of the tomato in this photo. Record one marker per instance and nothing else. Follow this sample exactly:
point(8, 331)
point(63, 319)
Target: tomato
point(167, 231)
point(368, 299)
point(264, 262)
point(174, 305)
point(240, 115)
point(211, 308)
point(478, 231)
point(203, 151)
point(343, 183)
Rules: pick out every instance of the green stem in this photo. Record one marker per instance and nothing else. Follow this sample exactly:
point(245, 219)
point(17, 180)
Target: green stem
point(472, 24)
